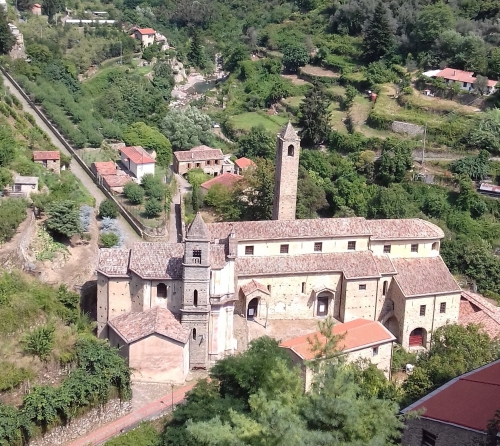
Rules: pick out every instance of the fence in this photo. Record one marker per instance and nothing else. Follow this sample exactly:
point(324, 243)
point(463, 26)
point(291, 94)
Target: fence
point(136, 225)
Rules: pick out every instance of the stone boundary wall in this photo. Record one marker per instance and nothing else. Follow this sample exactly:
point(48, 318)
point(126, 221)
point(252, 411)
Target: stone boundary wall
point(406, 127)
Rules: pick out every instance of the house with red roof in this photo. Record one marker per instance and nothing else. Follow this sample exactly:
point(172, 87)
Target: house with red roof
point(211, 161)
point(466, 79)
point(145, 35)
point(137, 160)
point(50, 159)
point(36, 9)
point(242, 164)
point(109, 176)
point(458, 412)
point(360, 339)
point(227, 179)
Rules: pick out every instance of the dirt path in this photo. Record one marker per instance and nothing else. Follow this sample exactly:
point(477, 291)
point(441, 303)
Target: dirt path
point(131, 235)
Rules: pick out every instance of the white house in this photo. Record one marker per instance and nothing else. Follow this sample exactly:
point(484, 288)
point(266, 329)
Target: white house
point(138, 161)
point(466, 79)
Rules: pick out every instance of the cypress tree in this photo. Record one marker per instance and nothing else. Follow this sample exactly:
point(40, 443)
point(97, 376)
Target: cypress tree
point(7, 39)
point(196, 54)
point(378, 42)
point(314, 116)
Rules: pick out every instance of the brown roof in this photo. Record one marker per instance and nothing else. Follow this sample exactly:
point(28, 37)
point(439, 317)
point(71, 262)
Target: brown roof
point(151, 260)
point(113, 262)
point(252, 286)
point(200, 153)
point(226, 179)
point(475, 309)
point(145, 31)
point(47, 155)
point(420, 276)
point(284, 229)
point(116, 180)
point(243, 163)
point(217, 256)
point(358, 334)
point(105, 167)
point(352, 264)
point(461, 76)
point(403, 228)
point(384, 264)
point(134, 326)
point(137, 155)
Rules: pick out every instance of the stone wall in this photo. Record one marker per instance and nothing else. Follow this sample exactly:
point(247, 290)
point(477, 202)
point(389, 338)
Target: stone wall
point(406, 127)
point(89, 422)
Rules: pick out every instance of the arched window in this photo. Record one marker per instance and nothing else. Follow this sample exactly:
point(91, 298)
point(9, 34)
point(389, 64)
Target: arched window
point(195, 298)
point(384, 288)
point(291, 150)
point(161, 290)
point(194, 334)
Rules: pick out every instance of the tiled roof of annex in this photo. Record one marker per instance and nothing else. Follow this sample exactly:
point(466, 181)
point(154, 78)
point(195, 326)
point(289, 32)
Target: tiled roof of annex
point(137, 155)
point(227, 179)
point(243, 163)
point(200, 153)
point(135, 326)
point(390, 229)
point(46, 155)
point(116, 180)
point(358, 334)
point(384, 264)
point(424, 275)
point(475, 309)
point(353, 264)
point(145, 31)
point(105, 167)
point(252, 286)
point(461, 76)
point(113, 262)
point(470, 400)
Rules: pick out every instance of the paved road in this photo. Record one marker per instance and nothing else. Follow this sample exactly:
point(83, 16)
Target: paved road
point(131, 235)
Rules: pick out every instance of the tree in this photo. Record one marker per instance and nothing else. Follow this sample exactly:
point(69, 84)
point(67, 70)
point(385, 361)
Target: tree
point(224, 203)
point(233, 58)
point(196, 54)
point(140, 134)
point(481, 84)
point(108, 208)
point(476, 167)
point(314, 117)
point(133, 192)
point(486, 134)
point(152, 208)
point(64, 218)
point(186, 128)
point(378, 41)
point(108, 239)
point(52, 7)
point(257, 143)
point(196, 177)
point(279, 90)
point(310, 196)
point(7, 39)
point(163, 78)
point(295, 55)
point(5, 177)
point(432, 21)
point(395, 161)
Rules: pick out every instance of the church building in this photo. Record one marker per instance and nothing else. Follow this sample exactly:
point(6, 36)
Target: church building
point(170, 307)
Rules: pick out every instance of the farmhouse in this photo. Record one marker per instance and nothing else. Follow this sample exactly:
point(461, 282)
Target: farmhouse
point(242, 164)
point(137, 161)
point(212, 161)
point(145, 35)
point(51, 160)
point(466, 79)
point(24, 186)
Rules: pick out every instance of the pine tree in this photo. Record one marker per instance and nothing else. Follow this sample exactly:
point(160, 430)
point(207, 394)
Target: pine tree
point(378, 42)
point(314, 116)
point(7, 39)
point(196, 54)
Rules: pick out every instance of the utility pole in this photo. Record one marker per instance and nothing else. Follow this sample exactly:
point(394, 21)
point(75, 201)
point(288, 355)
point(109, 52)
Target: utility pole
point(423, 147)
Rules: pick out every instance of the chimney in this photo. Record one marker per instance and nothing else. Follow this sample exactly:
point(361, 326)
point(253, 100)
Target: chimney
point(454, 73)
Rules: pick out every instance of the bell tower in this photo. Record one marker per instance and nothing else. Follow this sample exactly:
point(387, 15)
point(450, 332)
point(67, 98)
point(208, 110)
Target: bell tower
point(195, 297)
point(286, 175)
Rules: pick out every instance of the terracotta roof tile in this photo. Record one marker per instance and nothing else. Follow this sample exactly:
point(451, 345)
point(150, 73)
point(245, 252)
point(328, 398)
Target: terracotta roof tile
point(475, 309)
point(469, 400)
point(252, 286)
point(145, 31)
point(384, 264)
point(217, 256)
point(244, 163)
point(419, 276)
point(461, 76)
point(403, 228)
point(352, 264)
point(47, 155)
point(137, 155)
point(226, 179)
point(358, 334)
point(157, 260)
point(135, 326)
point(105, 167)
point(116, 180)
point(200, 153)
point(113, 262)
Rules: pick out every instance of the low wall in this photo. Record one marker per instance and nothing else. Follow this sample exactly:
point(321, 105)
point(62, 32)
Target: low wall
point(407, 128)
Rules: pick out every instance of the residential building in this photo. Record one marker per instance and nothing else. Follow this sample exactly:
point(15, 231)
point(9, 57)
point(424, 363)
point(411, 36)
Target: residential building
point(227, 179)
point(36, 9)
point(109, 176)
point(360, 339)
point(242, 164)
point(212, 161)
point(51, 160)
point(457, 413)
point(137, 161)
point(389, 271)
point(475, 309)
point(466, 79)
point(145, 35)
point(24, 186)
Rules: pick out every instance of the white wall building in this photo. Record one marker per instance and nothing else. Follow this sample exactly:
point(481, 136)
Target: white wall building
point(138, 161)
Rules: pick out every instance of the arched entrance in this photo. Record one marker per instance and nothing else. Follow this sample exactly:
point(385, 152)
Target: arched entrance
point(253, 308)
point(418, 338)
point(326, 304)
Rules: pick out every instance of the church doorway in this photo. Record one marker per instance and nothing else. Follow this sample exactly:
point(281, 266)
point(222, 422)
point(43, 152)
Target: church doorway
point(253, 307)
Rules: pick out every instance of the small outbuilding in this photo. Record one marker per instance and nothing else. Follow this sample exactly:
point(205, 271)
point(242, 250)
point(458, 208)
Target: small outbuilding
point(51, 160)
point(24, 186)
point(145, 35)
point(36, 9)
point(227, 179)
point(242, 164)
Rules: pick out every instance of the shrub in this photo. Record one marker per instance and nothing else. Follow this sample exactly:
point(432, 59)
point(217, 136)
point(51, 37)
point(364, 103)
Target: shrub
point(157, 192)
point(111, 225)
point(40, 342)
point(108, 239)
point(86, 213)
point(133, 192)
point(153, 208)
point(64, 218)
point(11, 376)
point(108, 209)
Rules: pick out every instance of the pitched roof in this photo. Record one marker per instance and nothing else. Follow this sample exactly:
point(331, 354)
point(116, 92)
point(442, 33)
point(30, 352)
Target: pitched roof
point(116, 180)
point(25, 180)
point(384, 264)
point(358, 334)
point(135, 326)
point(46, 155)
point(198, 229)
point(226, 179)
point(145, 31)
point(403, 228)
point(469, 400)
point(113, 262)
point(288, 132)
point(137, 155)
point(424, 275)
point(252, 286)
point(217, 256)
point(475, 309)
point(243, 163)
point(286, 229)
point(105, 167)
point(353, 264)
point(200, 153)
point(157, 260)
point(461, 76)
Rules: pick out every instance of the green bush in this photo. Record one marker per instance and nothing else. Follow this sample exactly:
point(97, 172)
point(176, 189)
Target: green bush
point(108, 208)
point(152, 208)
point(40, 342)
point(133, 192)
point(108, 239)
point(11, 376)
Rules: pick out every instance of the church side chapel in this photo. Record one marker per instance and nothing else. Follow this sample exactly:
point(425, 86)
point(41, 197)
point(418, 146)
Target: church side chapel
point(172, 307)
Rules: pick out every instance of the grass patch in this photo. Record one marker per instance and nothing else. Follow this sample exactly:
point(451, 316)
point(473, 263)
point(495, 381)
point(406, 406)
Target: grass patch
point(246, 121)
